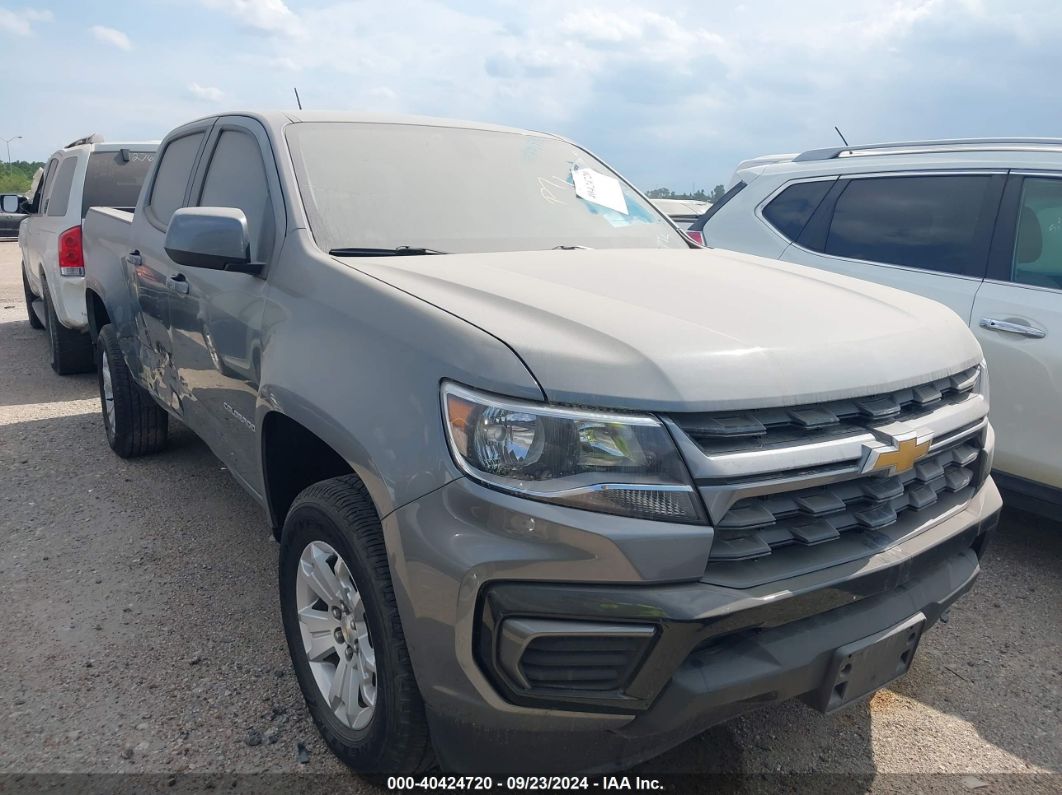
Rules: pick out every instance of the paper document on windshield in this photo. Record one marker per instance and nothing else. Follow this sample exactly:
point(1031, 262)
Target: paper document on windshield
point(601, 189)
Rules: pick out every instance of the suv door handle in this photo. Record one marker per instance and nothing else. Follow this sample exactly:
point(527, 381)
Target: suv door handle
point(177, 283)
point(1012, 327)
point(134, 259)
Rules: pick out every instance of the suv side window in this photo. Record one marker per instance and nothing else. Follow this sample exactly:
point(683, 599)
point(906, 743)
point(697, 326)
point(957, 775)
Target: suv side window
point(929, 222)
point(1038, 245)
point(171, 179)
point(790, 210)
point(236, 177)
point(59, 194)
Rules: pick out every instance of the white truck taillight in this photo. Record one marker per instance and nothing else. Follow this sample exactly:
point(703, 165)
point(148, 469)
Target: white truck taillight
point(71, 256)
point(696, 236)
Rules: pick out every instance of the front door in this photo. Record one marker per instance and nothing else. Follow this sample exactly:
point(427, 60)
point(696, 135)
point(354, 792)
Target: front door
point(1018, 321)
point(215, 315)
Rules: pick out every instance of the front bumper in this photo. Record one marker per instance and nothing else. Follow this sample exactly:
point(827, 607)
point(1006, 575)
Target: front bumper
point(465, 559)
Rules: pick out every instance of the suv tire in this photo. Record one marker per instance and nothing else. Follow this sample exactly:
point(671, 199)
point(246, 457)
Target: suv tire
point(34, 321)
point(71, 351)
point(134, 423)
point(334, 525)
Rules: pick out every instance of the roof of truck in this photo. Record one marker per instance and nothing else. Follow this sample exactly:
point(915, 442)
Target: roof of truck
point(281, 118)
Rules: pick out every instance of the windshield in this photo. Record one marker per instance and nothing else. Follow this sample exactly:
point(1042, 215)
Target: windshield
point(458, 190)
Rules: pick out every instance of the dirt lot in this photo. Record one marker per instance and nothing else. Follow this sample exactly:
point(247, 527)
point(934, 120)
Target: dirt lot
point(140, 628)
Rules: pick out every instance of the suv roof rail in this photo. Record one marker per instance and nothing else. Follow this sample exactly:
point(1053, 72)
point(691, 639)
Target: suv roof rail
point(941, 144)
point(95, 138)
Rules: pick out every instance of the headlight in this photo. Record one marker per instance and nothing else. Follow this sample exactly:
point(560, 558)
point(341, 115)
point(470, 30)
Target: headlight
point(982, 382)
point(614, 463)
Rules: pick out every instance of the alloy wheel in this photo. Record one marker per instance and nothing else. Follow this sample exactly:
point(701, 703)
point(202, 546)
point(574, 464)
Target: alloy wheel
point(107, 393)
point(335, 634)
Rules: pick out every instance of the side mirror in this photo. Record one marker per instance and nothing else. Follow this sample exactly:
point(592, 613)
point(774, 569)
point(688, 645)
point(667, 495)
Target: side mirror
point(11, 203)
point(210, 237)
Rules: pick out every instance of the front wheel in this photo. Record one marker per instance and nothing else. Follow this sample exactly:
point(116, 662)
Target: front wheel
point(344, 633)
point(135, 424)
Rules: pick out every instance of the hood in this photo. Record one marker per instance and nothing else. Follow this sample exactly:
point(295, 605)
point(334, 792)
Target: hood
point(689, 330)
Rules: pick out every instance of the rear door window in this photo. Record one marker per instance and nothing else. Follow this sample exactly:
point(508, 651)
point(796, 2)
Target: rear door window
point(934, 222)
point(171, 179)
point(790, 210)
point(59, 195)
point(1038, 244)
point(114, 179)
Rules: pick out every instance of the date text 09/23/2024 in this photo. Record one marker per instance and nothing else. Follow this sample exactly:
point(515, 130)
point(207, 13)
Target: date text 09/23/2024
point(511, 783)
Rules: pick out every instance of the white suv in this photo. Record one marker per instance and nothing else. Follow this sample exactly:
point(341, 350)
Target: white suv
point(87, 173)
point(975, 224)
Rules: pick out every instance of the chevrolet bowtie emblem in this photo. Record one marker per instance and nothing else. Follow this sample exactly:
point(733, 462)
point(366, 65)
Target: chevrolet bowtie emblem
point(897, 457)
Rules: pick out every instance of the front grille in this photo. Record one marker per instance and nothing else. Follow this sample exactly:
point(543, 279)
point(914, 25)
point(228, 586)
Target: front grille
point(581, 662)
point(764, 539)
point(758, 429)
point(756, 526)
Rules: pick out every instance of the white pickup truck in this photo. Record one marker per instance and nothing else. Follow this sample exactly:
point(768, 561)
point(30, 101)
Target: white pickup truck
point(86, 173)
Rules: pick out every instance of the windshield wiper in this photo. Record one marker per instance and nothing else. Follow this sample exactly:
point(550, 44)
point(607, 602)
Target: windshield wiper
point(400, 251)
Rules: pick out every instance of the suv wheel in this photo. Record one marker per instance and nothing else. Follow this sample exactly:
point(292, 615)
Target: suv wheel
point(344, 633)
point(71, 350)
point(135, 424)
point(34, 321)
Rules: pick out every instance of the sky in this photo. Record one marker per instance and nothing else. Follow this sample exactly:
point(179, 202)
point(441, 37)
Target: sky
point(670, 94)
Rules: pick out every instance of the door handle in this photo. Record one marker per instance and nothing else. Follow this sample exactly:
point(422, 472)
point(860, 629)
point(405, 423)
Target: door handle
point(134, 259)
point(1012, 328)
point(177, 283)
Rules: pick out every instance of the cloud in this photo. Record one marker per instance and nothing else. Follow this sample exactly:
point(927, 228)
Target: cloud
point(111, 36)
point(208, 93)
point(671, 94)
point(21, 22)
point(262, 16)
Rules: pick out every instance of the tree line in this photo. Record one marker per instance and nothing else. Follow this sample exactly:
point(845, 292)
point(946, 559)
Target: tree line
point(16, 177)
point(699, 195)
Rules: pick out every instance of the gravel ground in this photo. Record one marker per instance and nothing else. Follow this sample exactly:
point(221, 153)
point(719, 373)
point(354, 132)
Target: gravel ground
point(140, 628)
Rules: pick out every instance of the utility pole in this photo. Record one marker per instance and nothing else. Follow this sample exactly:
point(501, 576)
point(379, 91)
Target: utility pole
point(7, 142)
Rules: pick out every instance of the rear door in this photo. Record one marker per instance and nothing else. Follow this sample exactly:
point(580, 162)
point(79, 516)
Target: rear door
point(1018, 320)
point(926, 233)
point(149, 269)
point(215, 315)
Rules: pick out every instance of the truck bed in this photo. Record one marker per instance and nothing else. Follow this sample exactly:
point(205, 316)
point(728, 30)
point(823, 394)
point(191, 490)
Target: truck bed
point(106, 236)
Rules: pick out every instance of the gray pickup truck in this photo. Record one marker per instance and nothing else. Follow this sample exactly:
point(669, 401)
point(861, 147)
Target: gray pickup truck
point(555, 489)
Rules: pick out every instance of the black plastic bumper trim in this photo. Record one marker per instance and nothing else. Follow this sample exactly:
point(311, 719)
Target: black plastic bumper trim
point(689, 617)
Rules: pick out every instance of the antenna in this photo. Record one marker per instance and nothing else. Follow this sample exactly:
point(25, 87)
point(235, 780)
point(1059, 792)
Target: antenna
point(834, 127)
point(299, 101)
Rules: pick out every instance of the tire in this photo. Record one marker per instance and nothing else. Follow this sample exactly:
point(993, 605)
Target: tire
point(338, 515)
point(134, 423)
point(34, 321)
point(71, 350)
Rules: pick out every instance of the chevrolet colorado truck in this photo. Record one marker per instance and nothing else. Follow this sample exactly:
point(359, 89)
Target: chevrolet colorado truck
point(554, 490)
